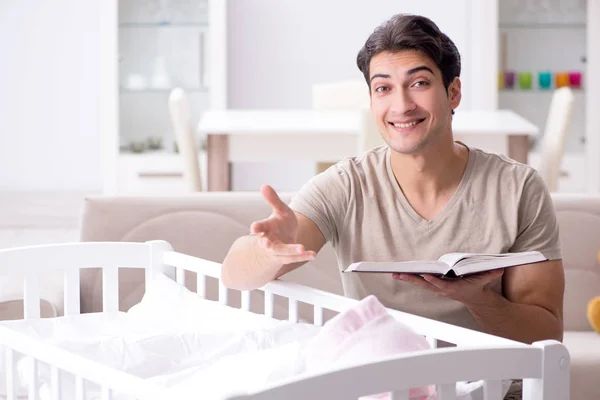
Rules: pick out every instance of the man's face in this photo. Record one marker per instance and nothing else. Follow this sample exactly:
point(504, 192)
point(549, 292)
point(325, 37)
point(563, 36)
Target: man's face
point(409, 102)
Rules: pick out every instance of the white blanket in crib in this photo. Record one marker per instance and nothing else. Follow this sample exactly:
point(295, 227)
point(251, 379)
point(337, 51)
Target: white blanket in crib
point(178, 340)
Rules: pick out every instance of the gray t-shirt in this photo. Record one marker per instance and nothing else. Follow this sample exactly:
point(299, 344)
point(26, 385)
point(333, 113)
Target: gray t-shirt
point(499, 206)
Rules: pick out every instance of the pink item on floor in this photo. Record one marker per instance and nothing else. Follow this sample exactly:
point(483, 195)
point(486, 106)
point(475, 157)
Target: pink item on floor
point(362, 334)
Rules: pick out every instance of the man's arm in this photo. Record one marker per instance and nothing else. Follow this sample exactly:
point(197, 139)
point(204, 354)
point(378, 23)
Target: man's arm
point(532, 306)
point(530, 311)
point(254, 260)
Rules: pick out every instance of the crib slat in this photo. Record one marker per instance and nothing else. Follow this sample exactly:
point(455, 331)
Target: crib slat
point(106, 393)
point(318, 316)
point(399, 395)
point(201, 285)
point(447, 391)
point(246, 300)
point(223, 294)
point(148, 274)
point(492, 390)
point(433, 342)
point(11, 374)
point(269, 300)
point(293, 310)
point(79, 388)
point(31, 297)
point(32, 393)
point(180, 276)
point(72, 290)
point(110, 289)
point(55, 382)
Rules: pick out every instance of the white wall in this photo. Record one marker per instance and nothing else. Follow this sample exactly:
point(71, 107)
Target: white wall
point(277, 49)
point(55, 93)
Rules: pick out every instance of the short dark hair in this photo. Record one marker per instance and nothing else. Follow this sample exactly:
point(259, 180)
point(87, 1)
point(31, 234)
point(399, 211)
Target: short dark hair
point(412, 32)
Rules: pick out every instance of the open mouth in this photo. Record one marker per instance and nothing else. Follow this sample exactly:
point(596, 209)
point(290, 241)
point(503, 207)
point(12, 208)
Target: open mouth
point(406, 125)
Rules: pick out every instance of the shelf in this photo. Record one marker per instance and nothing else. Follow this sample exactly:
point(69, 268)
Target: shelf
point(536, 91)
point(163, 25)
point(167, 90)
point(543, 25)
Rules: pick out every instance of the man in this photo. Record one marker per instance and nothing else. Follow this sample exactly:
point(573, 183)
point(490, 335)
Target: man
point(419, 197)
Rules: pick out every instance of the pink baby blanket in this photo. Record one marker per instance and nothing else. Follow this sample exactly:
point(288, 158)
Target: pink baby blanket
point(362, 334)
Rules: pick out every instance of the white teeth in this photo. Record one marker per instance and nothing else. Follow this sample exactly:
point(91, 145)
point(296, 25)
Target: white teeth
point(408, 125)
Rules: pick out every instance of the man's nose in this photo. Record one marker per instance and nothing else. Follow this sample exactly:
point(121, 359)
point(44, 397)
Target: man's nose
point(402, 102)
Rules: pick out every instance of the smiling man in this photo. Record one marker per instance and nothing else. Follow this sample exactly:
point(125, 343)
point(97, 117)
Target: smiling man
point(418, 197)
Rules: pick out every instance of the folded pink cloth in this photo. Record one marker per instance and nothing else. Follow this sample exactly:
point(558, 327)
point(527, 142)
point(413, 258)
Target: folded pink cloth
point(363, 334)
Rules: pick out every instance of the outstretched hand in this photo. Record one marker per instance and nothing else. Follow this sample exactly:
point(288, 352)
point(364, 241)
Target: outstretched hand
point(279, 232)
point(469, 290)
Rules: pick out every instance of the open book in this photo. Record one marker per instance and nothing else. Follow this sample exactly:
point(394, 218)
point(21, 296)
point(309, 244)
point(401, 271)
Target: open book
point(451, 265)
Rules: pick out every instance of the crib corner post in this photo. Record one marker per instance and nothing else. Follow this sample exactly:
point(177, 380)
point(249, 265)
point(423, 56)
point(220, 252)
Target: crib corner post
point(555, 382)
point(158, 248)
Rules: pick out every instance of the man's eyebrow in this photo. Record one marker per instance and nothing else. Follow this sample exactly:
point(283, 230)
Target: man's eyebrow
point(419, 68)
point(409, 72)
point(386, 76)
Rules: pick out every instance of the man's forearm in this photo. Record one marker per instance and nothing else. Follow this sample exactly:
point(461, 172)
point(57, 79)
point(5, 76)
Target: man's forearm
point(245, 266)
point(521, 322)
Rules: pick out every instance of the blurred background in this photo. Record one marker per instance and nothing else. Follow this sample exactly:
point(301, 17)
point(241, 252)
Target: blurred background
point(130, 96)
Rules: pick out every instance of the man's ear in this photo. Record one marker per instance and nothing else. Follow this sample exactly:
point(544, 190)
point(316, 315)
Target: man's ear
point(454, 93)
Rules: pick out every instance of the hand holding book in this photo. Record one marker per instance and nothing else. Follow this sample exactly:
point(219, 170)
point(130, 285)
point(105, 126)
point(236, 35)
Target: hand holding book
point(450, 265)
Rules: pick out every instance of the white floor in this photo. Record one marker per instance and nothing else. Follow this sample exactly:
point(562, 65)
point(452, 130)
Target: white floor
point(28, 218)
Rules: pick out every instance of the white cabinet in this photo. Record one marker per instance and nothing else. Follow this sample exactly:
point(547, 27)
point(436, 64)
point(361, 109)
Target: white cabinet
point(162, 44)
point(159, 173)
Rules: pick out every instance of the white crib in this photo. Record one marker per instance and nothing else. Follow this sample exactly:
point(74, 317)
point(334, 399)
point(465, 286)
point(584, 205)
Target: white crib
point(543, 366)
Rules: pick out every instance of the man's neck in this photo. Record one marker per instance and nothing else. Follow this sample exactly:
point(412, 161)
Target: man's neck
point(433, 173)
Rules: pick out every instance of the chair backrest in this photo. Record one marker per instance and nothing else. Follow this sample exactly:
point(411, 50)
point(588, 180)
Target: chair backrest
point(349, 95)
point(556, 130)
point(179, 109)
point(342, 95)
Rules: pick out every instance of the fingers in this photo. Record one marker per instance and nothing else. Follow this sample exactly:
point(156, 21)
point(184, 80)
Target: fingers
point(260, 227)
point(273, 199)
point(287, 253)
point(417, 281)
point(483, 278)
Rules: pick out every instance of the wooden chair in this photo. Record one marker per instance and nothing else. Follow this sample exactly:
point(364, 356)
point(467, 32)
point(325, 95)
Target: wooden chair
point(556, 131)
point(348, 95)
point(179, 109)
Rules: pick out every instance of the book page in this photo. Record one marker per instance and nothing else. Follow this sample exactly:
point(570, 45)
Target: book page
point(451, 259)
point(414, 267)
point(487, 262)
point(457, 258)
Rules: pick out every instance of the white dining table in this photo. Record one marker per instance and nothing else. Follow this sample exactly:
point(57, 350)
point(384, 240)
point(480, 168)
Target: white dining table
point(327, 136)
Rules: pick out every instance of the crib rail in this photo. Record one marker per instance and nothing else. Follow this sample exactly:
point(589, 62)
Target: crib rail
point(68, 259)
point(322, 300)
point(62, 361)
point(444, 367)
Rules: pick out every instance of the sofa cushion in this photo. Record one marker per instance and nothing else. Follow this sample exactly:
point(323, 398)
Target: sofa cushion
point(584, 348)
point(202, 225)
point(579, 221)
point(13, 309)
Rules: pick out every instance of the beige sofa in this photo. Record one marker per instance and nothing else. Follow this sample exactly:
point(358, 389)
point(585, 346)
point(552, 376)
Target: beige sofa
point(206, 224)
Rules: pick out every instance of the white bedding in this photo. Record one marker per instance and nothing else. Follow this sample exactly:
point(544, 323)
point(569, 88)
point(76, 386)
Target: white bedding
point(178, 340)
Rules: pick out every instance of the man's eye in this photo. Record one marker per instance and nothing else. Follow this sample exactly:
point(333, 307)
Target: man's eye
point(421, 83)
point(381, 88)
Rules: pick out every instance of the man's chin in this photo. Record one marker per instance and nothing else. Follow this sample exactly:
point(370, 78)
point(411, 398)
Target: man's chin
point(407, 148)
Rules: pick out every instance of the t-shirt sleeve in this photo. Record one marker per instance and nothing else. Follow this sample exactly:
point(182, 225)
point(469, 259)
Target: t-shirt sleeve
point(324, 200)
point(538, 227)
